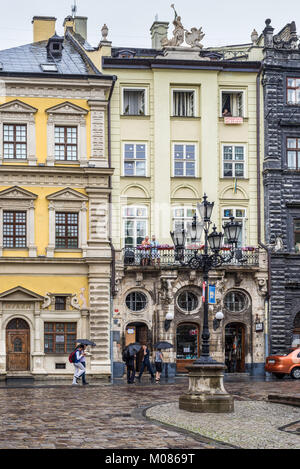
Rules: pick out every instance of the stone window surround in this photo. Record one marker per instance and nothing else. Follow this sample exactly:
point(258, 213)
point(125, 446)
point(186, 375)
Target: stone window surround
point(137, 289)
point(247, 301)
point(17, 112)
point(288, 132)
point(195, 289)
point(24, 203)
point(231, 91)
point(138, 142)
point(244, 219)
point(187, 90)
point(292, 215)
point(195, 161)
point(67, 114)
point(68, 204)
point(134, 87)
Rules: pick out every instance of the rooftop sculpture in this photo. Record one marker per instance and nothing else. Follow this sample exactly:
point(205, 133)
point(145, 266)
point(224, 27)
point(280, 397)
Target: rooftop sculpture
point(192, 38)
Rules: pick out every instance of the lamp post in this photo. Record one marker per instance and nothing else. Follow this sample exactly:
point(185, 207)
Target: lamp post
point(206, 391)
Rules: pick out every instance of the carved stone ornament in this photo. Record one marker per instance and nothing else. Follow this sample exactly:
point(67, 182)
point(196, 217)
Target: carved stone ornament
point(287, 38)
point(75, 302)
point(278, 246)
point(47, 301)
point(192, 38)
point(82, 297)
point(262, 286)
point(166, 291)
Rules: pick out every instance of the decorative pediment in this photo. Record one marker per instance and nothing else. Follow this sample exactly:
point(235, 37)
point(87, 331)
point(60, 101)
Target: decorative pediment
point(15, 193)
point(67, 194)
point(20, 294)
point(234, 194)
point(17, 106)
point(67, 108)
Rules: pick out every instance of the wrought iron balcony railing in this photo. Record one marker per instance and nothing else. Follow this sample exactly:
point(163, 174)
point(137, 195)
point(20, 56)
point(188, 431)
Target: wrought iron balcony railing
point(165, 256)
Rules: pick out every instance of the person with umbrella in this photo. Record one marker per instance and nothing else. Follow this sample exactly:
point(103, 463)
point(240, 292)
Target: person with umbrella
point(159, 357)
point(129, 356)
point(146, 363)
point(83, 344)
point(79, 368)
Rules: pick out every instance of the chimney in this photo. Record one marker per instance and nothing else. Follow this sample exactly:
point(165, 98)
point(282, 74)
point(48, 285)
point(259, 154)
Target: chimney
point(69, 23)
point(159, 31)
point(81, 26)
point(43, 27)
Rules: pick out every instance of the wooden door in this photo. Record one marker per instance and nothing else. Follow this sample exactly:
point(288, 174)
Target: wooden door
point(130, 337)
point(235, 347)
point(18, 350)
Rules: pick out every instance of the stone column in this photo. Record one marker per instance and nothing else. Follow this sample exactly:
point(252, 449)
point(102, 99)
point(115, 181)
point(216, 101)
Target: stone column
point(98, 153)
point(2, 345)
point(51, 246)
point(31, 231)
point(38, 353)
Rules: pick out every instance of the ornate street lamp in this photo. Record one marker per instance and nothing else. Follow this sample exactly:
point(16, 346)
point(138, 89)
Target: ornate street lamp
point(206, 391)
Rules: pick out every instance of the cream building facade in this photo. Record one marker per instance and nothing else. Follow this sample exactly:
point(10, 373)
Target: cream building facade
point(55, 172)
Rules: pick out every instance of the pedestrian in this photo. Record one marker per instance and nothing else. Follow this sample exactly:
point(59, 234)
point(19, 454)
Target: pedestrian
point(155, 256)
point(83, 361)
point(129, 361)
point(146, 245)
point(146, 363)
point(158, 364)
point(79, 368)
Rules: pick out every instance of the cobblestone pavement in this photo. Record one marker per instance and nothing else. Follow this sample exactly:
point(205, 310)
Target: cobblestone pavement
point(107, 416)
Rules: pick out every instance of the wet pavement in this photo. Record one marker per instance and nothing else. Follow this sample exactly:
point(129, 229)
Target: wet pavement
point(54, 414)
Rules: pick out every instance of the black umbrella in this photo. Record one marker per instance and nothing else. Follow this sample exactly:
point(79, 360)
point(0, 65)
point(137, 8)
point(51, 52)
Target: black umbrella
point(86, 342)
point(163, 345)
point(134, 348)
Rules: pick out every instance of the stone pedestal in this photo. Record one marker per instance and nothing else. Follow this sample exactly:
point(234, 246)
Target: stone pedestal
point(206, 390)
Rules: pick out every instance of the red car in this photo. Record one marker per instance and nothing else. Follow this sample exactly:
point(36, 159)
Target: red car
point(280, 365)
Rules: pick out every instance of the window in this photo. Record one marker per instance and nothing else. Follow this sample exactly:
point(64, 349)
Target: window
point(134, 159)
point(15, 141)
point(187, 342)
point(233, 161)
point(293, 90)
point(135, 225)
point(136, 301)
point(235, 301)
point(134, 102)
point(187, 301)
point(66, 228)
point(293, 153)
point(60, 303)
point(232, 103)
point(14, 229)
point(49, 67)
point(183, 103)
point(181, 217)
point(66, 143)
point(297, 235)
point(184, 156)
point(59, 337)
point(239, 214)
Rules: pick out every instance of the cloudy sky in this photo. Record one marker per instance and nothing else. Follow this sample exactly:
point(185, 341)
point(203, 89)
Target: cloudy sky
point(223, 21)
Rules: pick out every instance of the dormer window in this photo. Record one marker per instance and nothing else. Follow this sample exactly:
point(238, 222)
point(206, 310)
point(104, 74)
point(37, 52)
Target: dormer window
point(55, 46)
point(49, 67)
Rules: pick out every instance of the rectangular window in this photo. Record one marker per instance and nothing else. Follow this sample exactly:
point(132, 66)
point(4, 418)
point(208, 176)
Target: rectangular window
point(65, 143)
point(297, 235)
point(134, 102)
point(135, 225)
point(66, 230)
point(14, 229)
point(293, 153)
point(232, 104)
point(183, 103)
point(293, 90)
point(233, 161)
point(239, 214)
point(60, 303)
point(59, 337)
point(181, 217)
point(184, 156)
point(15, 141)
point(134, 159)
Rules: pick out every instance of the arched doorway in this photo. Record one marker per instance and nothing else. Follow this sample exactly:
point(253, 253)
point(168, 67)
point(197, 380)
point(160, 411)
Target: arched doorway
point(137, 332)
point(296, 332)
point(187, 345)
point(235, 347)
point(18, 345)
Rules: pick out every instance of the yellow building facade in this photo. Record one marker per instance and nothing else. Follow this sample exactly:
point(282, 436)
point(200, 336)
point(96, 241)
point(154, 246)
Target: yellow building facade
point(55, 252)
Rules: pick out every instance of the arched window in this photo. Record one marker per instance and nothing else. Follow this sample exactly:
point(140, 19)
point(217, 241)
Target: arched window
point(136, 301)
point(187, 301)
point(17, 323)
point(235, 301)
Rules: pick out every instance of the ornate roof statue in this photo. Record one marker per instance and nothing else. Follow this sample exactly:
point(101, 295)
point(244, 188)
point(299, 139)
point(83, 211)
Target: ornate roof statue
point(180, 34)
point(286, 38)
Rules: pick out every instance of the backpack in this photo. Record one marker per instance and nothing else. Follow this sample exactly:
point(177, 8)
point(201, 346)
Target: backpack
point(126, 355)
point(72, 357)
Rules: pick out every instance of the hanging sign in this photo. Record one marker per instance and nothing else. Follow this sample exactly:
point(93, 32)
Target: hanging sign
point(259, 326)
point(212, 294)
point(233, 120)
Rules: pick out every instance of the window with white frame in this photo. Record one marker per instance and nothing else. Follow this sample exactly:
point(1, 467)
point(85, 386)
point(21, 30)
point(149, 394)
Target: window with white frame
point(66, 143)
point(181, 217)
point(239, 214)
point(134, 101)
point(232, 103)
point(184, 157)
point(134, 159)
point(293, 153)
point(234, 161)
point(293, 90)
point(183, 103)
point(15, 141)
point(135, 223)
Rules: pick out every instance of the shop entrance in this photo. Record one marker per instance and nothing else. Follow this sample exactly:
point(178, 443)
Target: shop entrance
point(235, 347)
point(18, 345)
point(137, 332)
point(187, 346)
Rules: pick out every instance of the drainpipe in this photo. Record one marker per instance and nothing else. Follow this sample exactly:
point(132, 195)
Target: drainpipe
point(258, 180)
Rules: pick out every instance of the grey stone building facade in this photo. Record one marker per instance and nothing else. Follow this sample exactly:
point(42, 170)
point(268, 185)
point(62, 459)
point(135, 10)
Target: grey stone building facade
point(281, 176)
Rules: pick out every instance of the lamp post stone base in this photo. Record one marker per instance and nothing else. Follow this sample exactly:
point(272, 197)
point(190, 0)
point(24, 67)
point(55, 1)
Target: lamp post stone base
point(206, 392)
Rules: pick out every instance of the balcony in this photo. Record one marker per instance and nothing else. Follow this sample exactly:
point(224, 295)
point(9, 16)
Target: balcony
point(164, 257)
